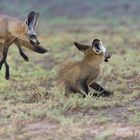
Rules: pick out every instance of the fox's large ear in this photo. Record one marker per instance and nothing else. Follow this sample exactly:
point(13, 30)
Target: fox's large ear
point(81, 47)
point(30, 20)
point(36, 19)
point(96, 43)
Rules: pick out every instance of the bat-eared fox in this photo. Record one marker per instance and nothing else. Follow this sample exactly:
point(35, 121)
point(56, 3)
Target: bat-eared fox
point(82, 75)
point(21, 33)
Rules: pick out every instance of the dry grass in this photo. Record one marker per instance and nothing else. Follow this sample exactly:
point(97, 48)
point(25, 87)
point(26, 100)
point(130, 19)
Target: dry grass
point(31, 107)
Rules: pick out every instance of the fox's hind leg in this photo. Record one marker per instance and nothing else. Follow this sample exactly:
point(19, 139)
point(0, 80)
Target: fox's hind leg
point(5, 45)
point(7, 73)
point(101, 90)
point(5, 51)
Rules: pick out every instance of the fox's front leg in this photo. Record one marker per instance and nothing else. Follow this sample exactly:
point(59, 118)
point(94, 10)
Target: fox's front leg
point(101, 90)
point(5, 51)
point(83, 88)
point(24, 56)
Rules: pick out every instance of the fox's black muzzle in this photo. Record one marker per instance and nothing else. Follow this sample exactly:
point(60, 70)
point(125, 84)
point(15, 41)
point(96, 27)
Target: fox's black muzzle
point(36, 44)
point(40, 49)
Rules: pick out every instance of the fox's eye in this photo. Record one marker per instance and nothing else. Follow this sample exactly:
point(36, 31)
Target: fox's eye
point(32, 36)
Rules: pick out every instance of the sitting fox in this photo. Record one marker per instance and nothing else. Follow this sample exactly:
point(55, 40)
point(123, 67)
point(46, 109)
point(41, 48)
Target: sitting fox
point(79, 76)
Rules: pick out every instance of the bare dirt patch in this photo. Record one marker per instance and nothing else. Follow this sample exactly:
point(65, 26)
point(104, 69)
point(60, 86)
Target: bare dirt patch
point(51, 130)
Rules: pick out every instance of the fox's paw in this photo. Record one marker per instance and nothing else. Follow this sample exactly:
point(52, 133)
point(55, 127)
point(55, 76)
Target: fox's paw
point(7, 77)
point(103, 94)
point(26, 58)
point(1, 66)
point(106, 94)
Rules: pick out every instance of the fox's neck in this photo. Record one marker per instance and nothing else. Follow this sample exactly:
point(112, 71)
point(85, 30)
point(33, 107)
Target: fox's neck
point(24, 43)
point(93, 60)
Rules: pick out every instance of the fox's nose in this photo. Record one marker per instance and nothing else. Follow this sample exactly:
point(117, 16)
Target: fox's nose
point(37, 42)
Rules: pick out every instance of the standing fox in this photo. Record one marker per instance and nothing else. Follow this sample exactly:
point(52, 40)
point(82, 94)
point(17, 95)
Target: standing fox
point(22, 33)
point(19, 43)
point(79, 76)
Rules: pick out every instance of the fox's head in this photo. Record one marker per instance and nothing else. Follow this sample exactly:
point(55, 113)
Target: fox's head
point(31, 22)
point(96, 48)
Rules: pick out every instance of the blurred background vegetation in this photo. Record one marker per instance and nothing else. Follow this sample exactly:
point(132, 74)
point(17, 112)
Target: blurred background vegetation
point(73, 9)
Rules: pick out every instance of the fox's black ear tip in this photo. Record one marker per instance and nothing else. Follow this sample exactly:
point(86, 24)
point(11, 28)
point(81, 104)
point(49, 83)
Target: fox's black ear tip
point(32, 12)
point(75, 43)
point(96, 39)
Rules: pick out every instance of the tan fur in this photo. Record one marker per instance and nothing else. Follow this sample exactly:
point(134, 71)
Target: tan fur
point(13, 30)
point(21, 33)
point(23, 43)
point(28, 45)
point(88, 69)
point(1, 48)
point(12, 27)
